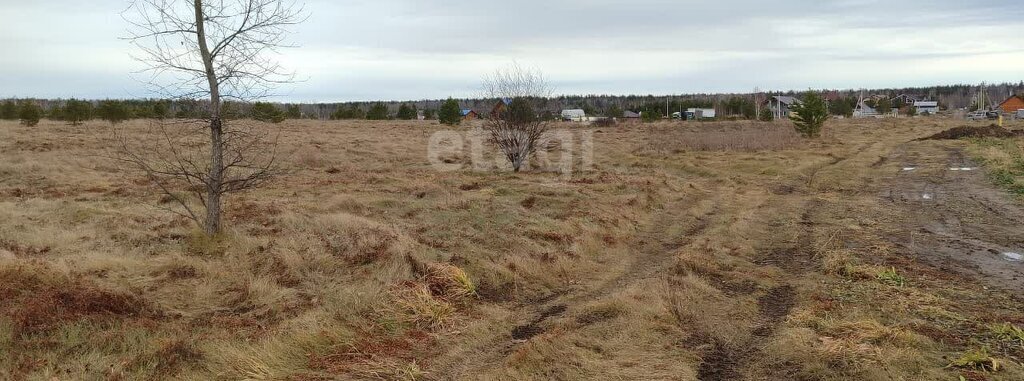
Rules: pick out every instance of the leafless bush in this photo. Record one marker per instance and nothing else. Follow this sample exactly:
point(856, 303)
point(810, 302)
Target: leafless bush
point(739, 136)
point(516, 129)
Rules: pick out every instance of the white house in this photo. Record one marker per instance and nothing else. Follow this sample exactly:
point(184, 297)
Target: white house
point(574, 115)
point(926, 107)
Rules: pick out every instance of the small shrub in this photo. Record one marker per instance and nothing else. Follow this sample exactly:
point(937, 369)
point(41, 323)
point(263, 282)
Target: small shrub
point(266, 112)
point(29, 113)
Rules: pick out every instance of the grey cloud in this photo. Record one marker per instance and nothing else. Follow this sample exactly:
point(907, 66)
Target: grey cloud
point(397, 49)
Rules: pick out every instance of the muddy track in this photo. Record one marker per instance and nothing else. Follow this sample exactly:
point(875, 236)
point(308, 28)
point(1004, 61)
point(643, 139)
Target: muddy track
point(722, 363)
point(654, 251)
point(955, 220)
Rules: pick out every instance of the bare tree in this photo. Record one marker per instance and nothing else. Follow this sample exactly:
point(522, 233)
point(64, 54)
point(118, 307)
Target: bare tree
point(516, 128)
point(218, 50)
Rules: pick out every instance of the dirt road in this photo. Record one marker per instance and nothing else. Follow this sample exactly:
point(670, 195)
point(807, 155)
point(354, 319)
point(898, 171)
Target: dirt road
point(741, 277)
point(953, 218)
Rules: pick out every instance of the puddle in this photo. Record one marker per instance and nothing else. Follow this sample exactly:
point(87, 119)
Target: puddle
point(927, 196)
point(1013, 257)
point(908, 169)
point(966, 169)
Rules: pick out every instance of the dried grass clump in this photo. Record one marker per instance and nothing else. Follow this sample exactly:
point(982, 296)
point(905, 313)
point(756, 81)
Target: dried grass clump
point(842, 263)
point(37, 299)
point(734, 136)
point(358, 240)
point(449, 283)
point(413, 304)
point(706, 313)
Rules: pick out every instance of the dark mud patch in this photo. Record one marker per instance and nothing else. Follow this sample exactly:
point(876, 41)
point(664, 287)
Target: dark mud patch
point(527, 331)
point(720, 364)
point(790, 259)
point(774, 306)
point(992, 131)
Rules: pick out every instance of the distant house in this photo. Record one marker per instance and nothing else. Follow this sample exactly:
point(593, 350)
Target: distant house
point(469, 114)
point(905, 99)
point(574, 115)
point(780, 105)
point(500, 106)
point(629, 116)
point(926, 107)
point(1012, 104)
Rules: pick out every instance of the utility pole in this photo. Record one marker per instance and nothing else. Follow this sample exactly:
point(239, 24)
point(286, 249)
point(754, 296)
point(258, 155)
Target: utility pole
point(757, 102)
point(668, 113)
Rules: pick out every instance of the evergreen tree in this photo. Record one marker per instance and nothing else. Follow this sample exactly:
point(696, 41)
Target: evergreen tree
point(650, 115)
point(29, 113)
point(809, 115)
point(113, 111)
point(613, 111)
point(843, 106)
point(160, 110)
point(350, 112)
point(406, 112)
point(379, 111)
point(55, 113)
point(429, 114)
point(450, 113)
point(9, 111)
point(293, 112)
point(266, 112)
point(766, 115)
point(77, 111)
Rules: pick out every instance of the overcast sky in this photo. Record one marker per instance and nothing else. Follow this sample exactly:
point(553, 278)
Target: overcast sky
point(417, 49)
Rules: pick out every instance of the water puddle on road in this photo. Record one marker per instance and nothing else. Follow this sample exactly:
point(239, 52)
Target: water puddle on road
point(1013, 257)
point(908, 169)
point(965, 169)
point(927, 196)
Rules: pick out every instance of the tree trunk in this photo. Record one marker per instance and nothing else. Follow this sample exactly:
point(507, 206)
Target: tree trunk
point(216, 175)
point(213, 202)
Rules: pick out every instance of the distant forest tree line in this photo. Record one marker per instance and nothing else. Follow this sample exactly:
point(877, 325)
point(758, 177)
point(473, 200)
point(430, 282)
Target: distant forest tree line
point(732, 106)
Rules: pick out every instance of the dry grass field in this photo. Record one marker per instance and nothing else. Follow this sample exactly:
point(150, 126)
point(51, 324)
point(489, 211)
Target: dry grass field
point(716, 251)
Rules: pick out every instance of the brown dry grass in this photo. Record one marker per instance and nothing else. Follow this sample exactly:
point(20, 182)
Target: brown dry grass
point(722, 243)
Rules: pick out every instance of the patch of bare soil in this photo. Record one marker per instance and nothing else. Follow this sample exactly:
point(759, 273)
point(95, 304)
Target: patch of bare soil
point(991, 131)
point(533, 328)
point(957, 221)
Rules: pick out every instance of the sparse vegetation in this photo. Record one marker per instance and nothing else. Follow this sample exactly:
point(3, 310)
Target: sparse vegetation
point(712, 255)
